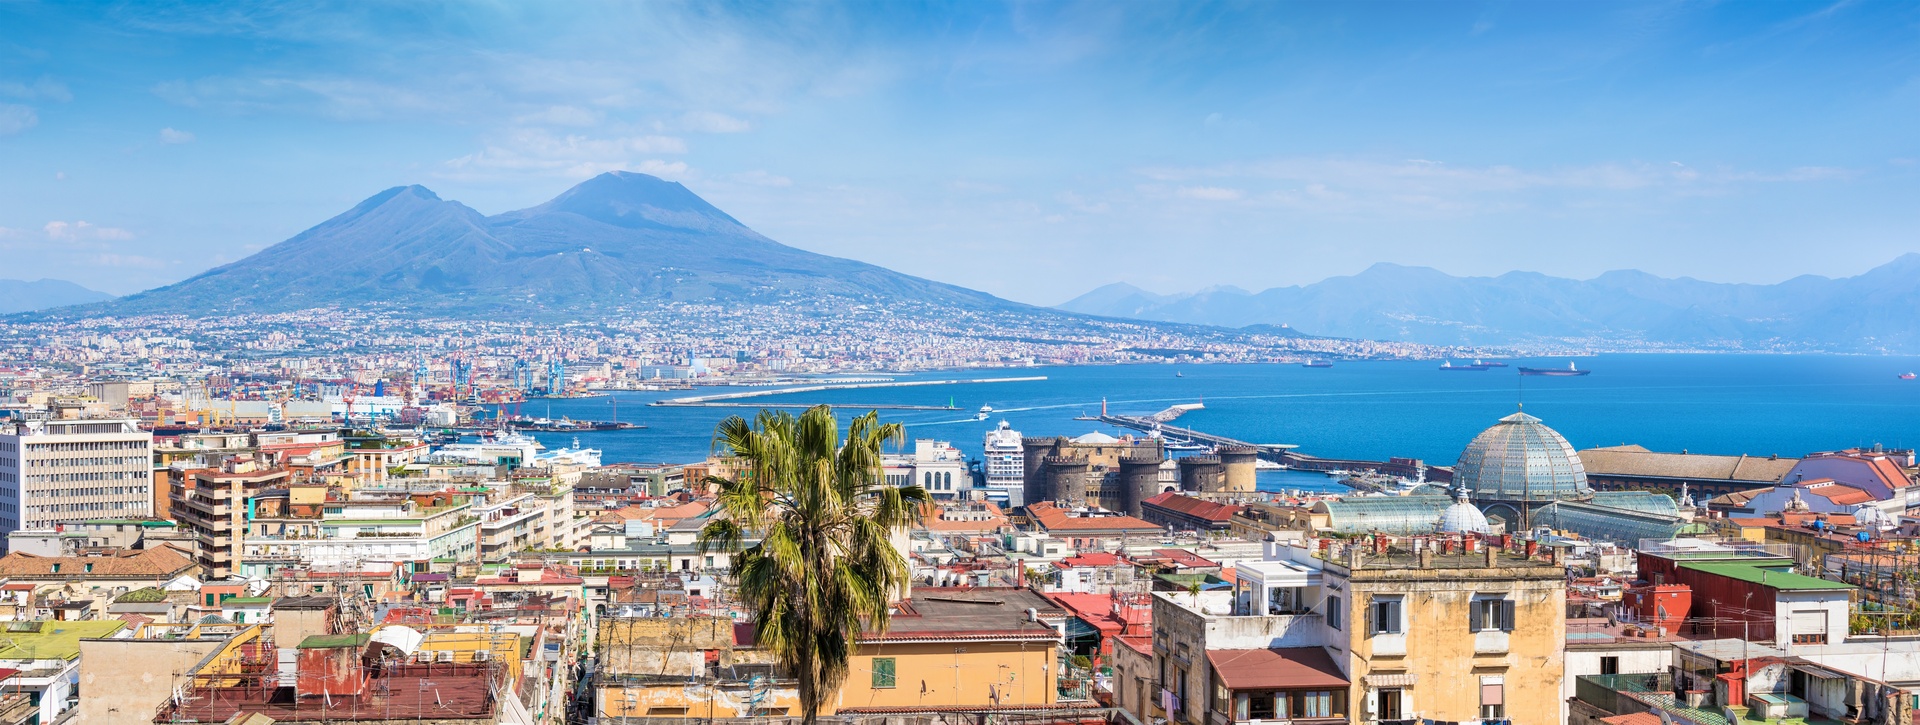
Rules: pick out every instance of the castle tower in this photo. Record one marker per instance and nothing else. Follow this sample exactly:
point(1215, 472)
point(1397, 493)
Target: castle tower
point(1239, 462)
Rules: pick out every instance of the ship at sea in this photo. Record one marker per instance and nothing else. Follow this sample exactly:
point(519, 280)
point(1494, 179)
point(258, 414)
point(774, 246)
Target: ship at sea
point(1449, 366)
point(1492, 364)
point(1569, 372)
point(1316, 364)
point(1908, 376)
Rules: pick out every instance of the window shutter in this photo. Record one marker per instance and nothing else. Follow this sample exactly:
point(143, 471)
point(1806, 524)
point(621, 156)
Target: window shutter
point(1473, 615)
point(1371, 606)
point(1506, 615)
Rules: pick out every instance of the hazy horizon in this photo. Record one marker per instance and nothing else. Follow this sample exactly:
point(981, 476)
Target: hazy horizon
point(1034, 152)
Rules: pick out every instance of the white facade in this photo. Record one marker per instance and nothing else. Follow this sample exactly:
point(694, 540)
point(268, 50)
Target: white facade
point(935, 466)
point(1005, 463)
point(67, 470)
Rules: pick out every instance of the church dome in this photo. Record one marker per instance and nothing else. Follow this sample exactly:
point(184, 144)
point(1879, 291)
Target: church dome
point(1464, 518)
point(1520, 459)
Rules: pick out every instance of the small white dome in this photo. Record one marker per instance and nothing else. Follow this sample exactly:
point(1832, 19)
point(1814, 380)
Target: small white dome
point(1464, 518)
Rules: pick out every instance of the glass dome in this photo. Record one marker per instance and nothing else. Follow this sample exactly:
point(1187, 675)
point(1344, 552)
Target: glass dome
point(1519, 459)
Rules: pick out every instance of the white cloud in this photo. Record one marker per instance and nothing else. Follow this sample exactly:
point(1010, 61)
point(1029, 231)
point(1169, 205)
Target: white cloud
point(43, 89)
point(84, 231)
point(172, 136)
point(536, 151)
point(712, 122)
point(15, 118)
point(1209, 193)
point(562, 116)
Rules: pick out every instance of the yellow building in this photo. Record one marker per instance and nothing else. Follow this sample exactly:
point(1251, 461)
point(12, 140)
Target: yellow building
point(1453, 637)
point(945, 649)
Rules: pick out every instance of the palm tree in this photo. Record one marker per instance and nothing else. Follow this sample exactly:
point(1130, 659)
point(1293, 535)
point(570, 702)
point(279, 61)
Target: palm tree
point(825, 565)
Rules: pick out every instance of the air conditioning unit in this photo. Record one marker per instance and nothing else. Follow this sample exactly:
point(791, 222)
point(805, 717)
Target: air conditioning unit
point(482, 655)
point(445, 655)
point(422, 657)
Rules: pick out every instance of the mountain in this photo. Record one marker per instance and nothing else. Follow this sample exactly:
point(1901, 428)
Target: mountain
point(23, 296)
point(1871, 312)
point(615, 239)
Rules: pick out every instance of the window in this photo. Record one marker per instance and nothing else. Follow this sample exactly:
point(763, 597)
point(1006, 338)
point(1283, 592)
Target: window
point(1259, 706)
point(1609, 665)
point(1390, 704)
point(1385, 613)
point(1312, 704)
point(1333, 613)
point(883, 672)
point(1490, 614)
point(1493, 698)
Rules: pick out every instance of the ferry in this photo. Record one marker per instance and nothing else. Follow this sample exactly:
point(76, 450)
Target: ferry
point(985, 410)
point(1449, 366)
point(1571, 371)
point(1316, 364)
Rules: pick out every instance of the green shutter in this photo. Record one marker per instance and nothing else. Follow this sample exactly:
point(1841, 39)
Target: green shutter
point(883, 672)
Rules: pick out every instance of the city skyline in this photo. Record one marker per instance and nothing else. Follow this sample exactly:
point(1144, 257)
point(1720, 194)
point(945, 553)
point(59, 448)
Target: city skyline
point(1743, 144)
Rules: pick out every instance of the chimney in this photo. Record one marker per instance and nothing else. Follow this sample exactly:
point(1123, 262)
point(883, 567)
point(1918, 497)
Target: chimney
point(1426, 557)
point(1492, 555)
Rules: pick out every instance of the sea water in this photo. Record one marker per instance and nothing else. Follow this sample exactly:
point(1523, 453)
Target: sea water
point(1759, 405)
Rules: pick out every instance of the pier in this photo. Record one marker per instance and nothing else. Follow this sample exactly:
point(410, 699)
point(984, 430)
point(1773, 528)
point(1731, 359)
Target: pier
point(720, 399)
point(1285, 453)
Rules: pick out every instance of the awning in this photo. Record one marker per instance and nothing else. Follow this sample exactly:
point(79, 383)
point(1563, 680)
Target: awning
point(1285, 668)
point(1403, 679)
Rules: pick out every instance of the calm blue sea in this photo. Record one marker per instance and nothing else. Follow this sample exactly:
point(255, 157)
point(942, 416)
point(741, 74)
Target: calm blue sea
point(1730, 404)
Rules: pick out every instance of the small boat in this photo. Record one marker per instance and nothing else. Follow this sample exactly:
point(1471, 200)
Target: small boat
point(1316, 364)
point(986, 409)
point(980, 416)
point(1449, 366)
point(1571, 371)
point(1907, 376)
point(1179, 374)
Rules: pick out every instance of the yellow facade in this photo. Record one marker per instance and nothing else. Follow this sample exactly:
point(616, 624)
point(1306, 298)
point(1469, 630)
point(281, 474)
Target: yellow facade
point(699, 700)
point(1441, 669)
point(951, 674)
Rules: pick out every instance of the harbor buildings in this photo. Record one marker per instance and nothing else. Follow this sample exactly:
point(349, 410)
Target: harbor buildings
point(935, 466)
point(52, 471)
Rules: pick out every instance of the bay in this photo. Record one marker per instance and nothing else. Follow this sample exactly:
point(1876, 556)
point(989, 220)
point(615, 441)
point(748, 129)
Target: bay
point(1759, 405)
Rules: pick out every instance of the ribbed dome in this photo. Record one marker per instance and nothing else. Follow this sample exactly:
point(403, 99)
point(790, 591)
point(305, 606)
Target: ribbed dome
point(1463, 518)
point(1519, 459)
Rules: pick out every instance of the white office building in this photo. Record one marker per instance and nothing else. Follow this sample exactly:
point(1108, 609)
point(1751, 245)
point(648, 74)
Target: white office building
point(55, 471)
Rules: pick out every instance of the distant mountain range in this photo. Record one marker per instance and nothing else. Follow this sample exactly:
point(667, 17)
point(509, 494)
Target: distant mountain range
point(618, 238)
point(23, 296)
point(1878, 311)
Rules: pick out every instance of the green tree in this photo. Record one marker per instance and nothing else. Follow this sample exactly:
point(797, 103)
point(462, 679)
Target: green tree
point(824, 565)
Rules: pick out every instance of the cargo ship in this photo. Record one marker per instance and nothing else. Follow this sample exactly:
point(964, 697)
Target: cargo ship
point(1316, 364)
point(1571, 371)
point(1908, 376)
point(1494, 364)
point(1448, 365)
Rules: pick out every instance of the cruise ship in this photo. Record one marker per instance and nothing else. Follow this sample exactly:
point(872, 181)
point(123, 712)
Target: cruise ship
point(1006, 463)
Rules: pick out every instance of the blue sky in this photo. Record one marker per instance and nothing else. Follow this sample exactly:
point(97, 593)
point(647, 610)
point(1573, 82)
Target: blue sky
point(1032, 150)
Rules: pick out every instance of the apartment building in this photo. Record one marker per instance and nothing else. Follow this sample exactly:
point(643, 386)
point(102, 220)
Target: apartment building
point(1433, 629)
point(52, 471)
point(214, 502)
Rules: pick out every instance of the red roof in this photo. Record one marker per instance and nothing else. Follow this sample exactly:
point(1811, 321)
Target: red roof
point(1185, 558)
point(1838, 493)
point(1052, 518)
point(1092, 559)
point(1176, 502)
point(1282, 668)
